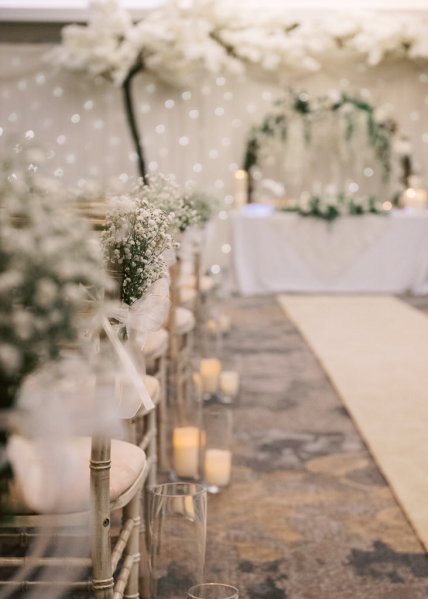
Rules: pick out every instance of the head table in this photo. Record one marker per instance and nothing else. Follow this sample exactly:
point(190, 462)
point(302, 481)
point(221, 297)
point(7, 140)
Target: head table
point(283, 252)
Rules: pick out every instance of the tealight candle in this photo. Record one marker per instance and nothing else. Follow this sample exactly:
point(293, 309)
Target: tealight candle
point(241, 188)
point(225, 323)
point(210, 374)
point(229, 382)
point(217, 467)
point(212, 325)
point(185, 444)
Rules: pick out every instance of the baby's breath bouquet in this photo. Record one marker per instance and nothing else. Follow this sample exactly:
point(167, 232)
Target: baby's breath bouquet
point(164, 193)
point(204, 205)
point(136, 236)
point(48, 257)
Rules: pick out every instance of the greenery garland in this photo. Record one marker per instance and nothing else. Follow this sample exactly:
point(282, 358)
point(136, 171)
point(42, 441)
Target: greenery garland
point(380, 132)
point(330, 208)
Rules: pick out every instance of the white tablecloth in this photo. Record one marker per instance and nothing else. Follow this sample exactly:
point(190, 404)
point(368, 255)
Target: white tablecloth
point(283, 252)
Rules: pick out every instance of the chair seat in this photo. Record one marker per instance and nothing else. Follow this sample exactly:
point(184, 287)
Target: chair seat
point(156, 344)
point(59, 482)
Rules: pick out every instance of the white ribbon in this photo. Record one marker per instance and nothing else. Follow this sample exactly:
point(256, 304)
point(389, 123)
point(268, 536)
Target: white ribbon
point(132, 392)
point(146, 315)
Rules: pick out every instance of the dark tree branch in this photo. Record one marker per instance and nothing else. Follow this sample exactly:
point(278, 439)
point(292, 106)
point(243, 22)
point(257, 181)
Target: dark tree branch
point(131, 119)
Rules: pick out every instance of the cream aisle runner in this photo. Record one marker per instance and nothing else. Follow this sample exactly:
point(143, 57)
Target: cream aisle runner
point(375, 351)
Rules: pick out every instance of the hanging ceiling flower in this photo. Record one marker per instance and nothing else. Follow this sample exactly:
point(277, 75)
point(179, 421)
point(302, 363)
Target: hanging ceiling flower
point(181, 40)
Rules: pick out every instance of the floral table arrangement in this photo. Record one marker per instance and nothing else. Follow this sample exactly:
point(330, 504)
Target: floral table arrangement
point(332, 206)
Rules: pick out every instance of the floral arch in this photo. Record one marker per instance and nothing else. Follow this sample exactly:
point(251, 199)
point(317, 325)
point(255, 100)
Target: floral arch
point(351, 116)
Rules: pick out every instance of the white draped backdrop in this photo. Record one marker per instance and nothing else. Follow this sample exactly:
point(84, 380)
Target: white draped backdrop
point(197, 134)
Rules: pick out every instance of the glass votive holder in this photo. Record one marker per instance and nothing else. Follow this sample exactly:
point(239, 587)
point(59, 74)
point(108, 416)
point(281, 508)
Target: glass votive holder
point(209, 370)
point(211, 342)
point(217, 454)
point(177, 538)
point(213, 590)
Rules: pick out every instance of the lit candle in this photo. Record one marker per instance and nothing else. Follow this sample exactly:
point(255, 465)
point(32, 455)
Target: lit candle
point(414, 198)
point(217, 467)
point(241, 188)
point(225, 323)
point(229, 382)
point(185, 443)
point(210, 374)
point(212, 325)
point(197, 382)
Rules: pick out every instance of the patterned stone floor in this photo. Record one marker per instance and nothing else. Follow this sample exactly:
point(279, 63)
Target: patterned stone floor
point(308, 516)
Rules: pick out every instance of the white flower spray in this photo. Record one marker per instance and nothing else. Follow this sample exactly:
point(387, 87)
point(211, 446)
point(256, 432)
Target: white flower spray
point(137, 234)
point(48, 259)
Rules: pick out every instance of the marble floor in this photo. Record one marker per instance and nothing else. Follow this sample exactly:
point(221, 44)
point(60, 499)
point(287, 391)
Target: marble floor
point(309, 515)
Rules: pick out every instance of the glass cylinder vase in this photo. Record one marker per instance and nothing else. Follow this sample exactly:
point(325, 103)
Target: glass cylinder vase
point(177, 527)
point(186, 438)
point(217, 462)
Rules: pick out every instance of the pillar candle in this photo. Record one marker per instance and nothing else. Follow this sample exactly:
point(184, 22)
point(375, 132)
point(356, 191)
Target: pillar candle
point(225, 323)
point(229, 382)
point(241, 188)
point(212, 325)
point(185, 444)
point(414, 198)
point(217, 467)
point(210, 374)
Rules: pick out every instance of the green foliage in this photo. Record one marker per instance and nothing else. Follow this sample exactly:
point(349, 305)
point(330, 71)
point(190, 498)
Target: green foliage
point(330, 208)
point(204, 205)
